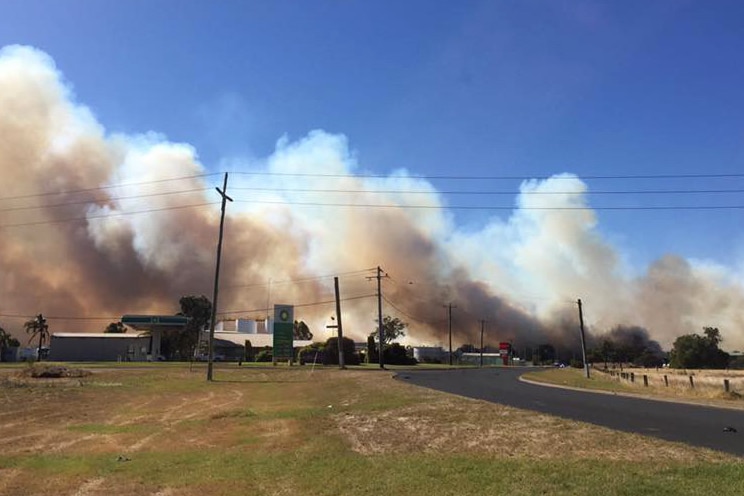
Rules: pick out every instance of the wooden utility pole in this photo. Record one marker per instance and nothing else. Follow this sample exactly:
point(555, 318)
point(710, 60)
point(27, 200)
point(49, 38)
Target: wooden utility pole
point(379, 316)
point(483, 326)
point(449, 317)
point(210, 357)
point(341, 363)
point(583, 341)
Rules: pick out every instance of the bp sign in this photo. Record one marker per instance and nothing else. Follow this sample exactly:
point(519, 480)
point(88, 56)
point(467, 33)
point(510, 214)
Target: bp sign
point(283, 332)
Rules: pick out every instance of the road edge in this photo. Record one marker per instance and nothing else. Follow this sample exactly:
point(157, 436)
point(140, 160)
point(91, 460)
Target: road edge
point(680, 401)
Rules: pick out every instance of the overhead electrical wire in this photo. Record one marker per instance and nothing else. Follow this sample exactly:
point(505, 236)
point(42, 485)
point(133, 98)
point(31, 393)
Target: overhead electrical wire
point(222, 313)
point(468, 193)
point(105, 216)
point(490, 207)
point(494, 177)
point(406, 314)
point(382, 205)
point(490, 193)
point(297, 305)
point(301, 280)
point(112, 199)
point(111, 186)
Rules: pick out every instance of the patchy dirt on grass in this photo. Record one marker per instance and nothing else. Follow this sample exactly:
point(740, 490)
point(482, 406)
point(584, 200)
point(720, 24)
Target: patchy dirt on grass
point(460, 425)
point(88, 439)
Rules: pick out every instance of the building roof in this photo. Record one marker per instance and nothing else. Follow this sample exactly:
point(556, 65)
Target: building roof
point(257, 340)
point(147, 322)
point(107, 335)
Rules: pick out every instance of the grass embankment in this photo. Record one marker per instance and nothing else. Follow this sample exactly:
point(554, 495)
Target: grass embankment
point(660, 383)
point(166, 431)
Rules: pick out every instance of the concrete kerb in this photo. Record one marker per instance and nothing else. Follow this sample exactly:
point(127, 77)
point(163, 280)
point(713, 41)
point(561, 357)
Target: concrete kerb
point(634, 395)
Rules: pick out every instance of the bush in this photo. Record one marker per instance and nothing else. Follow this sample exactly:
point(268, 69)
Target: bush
point(310, 354)
point(576, 363)
point(395, 354)
point(737, 363)
point(265, 356)
point(330, 355)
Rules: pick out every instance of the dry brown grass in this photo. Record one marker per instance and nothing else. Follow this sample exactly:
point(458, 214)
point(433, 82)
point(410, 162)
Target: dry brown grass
point(66, 437)
point(446, 424)
point(708, 384)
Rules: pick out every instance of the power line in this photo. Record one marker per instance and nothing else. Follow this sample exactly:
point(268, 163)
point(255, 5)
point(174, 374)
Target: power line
point(86, 202)
point(54, 317)
point(412, 317)
point(105, 216)
point(488, 207)
point(492, 193)
point(301, 280)
point(496, 177)
point(112, 186)
point(299, 305)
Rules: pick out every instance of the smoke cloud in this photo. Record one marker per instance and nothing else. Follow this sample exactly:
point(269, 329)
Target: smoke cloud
point(94, 225)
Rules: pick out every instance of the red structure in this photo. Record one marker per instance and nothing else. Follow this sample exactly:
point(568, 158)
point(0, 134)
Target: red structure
point(505, 351)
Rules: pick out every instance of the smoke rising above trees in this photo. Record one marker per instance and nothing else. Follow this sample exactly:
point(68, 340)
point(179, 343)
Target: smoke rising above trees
point(96, 224)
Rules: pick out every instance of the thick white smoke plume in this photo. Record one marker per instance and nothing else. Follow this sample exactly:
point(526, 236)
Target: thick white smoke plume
point(94, 225)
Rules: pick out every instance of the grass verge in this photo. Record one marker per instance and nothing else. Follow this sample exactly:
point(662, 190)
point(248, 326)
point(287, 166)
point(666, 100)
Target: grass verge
point(166, 431)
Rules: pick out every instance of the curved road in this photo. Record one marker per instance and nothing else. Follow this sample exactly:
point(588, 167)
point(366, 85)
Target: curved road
point(691, 424)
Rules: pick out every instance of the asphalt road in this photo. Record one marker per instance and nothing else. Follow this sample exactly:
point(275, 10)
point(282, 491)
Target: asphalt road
point(691, 424)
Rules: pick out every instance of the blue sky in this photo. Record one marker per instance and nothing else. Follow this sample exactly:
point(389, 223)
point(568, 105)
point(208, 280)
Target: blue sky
point(519, 88)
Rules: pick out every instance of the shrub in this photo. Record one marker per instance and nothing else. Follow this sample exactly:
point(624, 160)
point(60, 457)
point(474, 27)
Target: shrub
point(330, 355)
point(264, 356)
point(310, 354)
point(395, 354)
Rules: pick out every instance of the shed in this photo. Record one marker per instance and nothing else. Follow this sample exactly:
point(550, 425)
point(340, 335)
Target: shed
point(95, 347)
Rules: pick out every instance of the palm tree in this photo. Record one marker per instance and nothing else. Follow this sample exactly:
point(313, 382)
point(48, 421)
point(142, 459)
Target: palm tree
point(37, 327)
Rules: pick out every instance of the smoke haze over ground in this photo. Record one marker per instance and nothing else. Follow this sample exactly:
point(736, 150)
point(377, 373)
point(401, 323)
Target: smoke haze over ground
point(95, 225)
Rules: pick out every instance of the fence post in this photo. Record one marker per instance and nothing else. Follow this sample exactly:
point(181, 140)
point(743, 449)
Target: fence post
point(666, 381)
point(632, 377)
point(726, 385)
point(692, 383)
point(645, 380)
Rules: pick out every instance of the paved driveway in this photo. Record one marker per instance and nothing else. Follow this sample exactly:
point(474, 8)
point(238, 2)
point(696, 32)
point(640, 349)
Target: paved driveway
point(691, 424)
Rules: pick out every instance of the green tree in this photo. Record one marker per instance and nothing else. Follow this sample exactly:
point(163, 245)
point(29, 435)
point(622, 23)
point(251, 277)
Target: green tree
point(330, 352)
point(6, 341)
point(545, 353)
point(115, 328)
point(396, 354)
point(468, 348)
point(181, 343)
point(198, 309)
point(371, 356)
point(713, 335)
point(627, 344)
point(392, 329)
point(693, 351)
point(302, 331)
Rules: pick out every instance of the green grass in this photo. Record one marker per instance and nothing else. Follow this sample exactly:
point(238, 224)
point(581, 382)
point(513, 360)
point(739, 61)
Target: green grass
point(342, 473)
